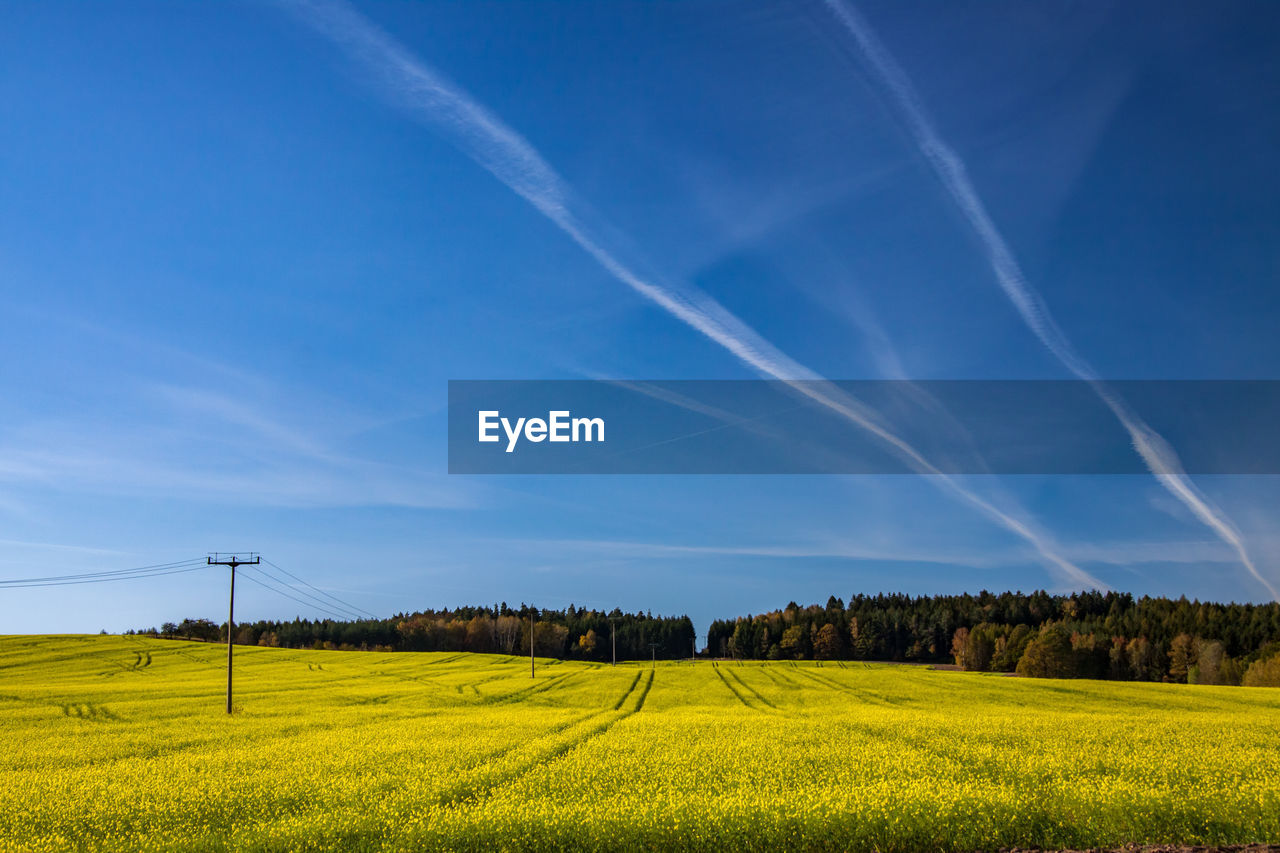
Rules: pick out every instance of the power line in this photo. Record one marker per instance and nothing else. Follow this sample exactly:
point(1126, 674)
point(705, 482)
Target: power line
point(231, 562)
point(348, 605)
point(106, 575)
point(287, 595)
point(104, 580)
point(348, 614)
point(33, 582)
point(334, 607)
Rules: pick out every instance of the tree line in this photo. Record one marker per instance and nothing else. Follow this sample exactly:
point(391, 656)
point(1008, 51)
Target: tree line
point(1083, 635)
point(572, 633)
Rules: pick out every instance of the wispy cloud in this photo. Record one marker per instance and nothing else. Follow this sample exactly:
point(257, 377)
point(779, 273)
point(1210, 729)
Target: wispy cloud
point(145, 464)
point(23, 545)
point(199, 442)
point(1122, 553)
point(160, 418)
point(432, 99)
point(1157, 453)
point(746, 213)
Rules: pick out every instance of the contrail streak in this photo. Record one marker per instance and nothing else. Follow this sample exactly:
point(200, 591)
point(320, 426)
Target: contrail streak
point(1157, 453)
point(484, 137)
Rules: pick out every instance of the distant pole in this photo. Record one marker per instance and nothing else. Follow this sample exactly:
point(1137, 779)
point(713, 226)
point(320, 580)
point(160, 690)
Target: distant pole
point(694, 643)
point(234, 561)
point(613, 638)
point(532, 674)
point(231, 615)
point(653, 647)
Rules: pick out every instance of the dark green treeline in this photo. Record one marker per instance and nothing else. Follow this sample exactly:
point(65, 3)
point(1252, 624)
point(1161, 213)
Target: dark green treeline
point(572, 633)
point(1083, 635)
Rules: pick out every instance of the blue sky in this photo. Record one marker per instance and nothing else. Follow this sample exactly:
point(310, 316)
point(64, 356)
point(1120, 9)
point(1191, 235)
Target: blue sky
point(244, 247)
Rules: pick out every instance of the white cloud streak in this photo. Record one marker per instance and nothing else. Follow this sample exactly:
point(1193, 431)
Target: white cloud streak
point(1125, 554)
point(246, 453)
point(480, 134)
point(1157, 453)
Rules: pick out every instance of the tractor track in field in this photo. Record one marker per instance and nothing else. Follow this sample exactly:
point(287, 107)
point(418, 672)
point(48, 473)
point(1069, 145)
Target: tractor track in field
point(756, 693)
point(861, 695)
point(141, 660)
point(533, 690)
point(336, 676)
point(382, 673)
point(461, 688)
point(178, 650)
point(618, 705)
point(644, 694)
point(737, 693)
point(470, 793)
point(474, 686)
point(423, 679)
point(785, 679)
point(558, 683)
point(774, 677)
point(831, 683)
point(87, 711)
point(449, 659)
point(502, 752)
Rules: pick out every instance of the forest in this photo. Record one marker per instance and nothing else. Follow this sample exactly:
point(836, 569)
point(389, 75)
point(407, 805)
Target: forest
point(1083, 635)
point(572, 633)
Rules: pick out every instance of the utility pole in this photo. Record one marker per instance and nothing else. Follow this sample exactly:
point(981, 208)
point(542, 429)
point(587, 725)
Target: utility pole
point(694, 641)
point(613, 638)
point(232, 561)
point(653, 647)
point(532, 674)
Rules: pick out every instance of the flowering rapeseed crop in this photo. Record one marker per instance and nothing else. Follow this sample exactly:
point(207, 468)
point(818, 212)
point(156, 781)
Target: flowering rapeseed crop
point(118, 743)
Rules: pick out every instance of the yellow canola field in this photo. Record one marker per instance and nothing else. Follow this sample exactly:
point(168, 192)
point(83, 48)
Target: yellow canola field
point(121, 743)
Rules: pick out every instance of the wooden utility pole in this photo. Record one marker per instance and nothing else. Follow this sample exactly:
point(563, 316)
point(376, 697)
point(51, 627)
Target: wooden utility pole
point(232, 561)
point(613, 638)
point(532, 673)
point(653, 647)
